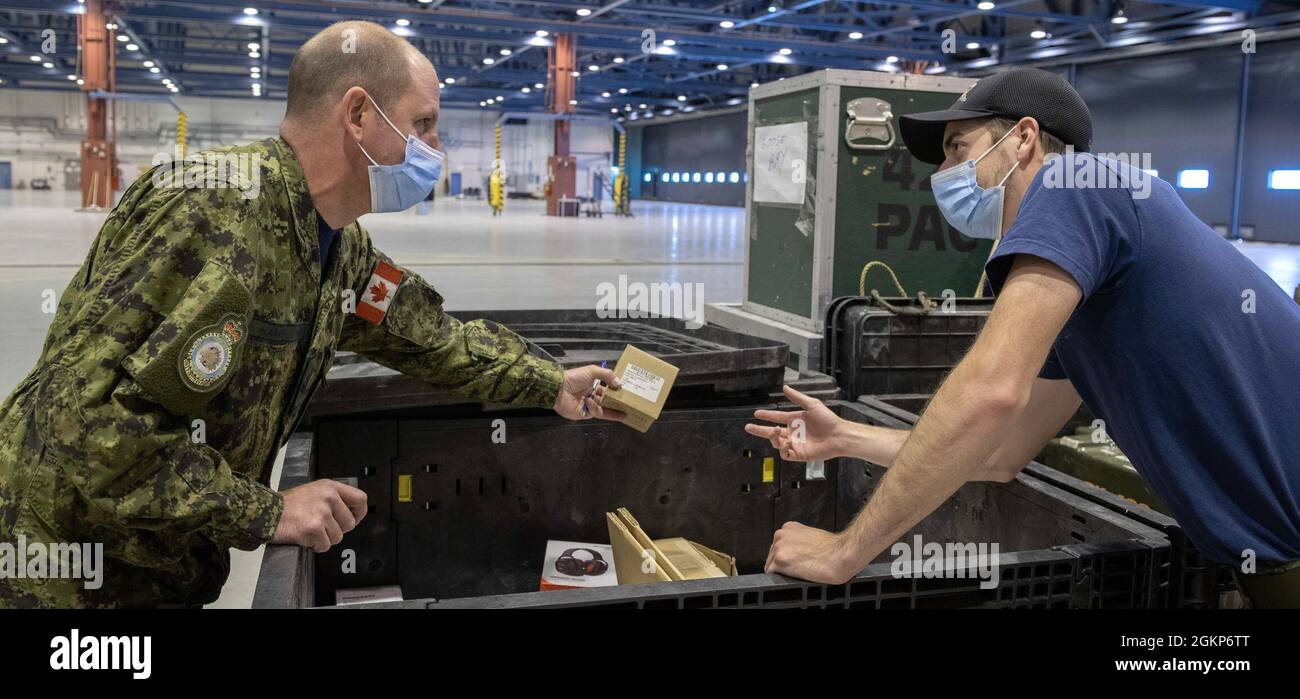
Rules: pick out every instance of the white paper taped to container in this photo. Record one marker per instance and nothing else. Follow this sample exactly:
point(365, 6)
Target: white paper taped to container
point(780, 163)
point(642, 382)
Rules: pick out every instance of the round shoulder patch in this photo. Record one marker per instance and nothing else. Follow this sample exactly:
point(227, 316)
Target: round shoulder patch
point(210, 353)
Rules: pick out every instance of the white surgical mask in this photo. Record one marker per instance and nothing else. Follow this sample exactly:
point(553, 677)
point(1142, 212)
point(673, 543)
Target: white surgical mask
point(966, 206)
point(401, 186)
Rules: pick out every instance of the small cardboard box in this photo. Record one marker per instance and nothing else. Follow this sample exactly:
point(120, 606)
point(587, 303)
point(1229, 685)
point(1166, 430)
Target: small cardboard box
point(364, 595)
point(645, 382)
point(641, 560)
point(573, 564)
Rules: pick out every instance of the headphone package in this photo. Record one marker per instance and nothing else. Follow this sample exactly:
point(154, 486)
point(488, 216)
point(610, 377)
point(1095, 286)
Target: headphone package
point(573, 564)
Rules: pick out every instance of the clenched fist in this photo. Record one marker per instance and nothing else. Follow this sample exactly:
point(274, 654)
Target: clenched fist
point(318, 514)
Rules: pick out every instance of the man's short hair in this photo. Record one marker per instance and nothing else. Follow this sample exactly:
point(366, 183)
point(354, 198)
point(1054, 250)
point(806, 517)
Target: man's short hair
point(346, 55)
point(999, 125)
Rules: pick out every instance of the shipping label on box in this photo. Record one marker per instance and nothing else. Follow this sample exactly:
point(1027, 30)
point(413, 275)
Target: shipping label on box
point(645, 381)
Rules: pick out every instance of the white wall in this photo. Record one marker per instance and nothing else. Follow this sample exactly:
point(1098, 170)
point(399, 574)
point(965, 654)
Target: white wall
point(40, 133)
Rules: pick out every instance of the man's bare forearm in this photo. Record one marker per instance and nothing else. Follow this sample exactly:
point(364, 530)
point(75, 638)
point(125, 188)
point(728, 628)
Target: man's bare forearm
point(879, 445)
point(973, 413)
point(950, 445)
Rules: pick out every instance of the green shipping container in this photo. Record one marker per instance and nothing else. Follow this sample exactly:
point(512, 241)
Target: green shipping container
point(831, 188)
point(1100, 463)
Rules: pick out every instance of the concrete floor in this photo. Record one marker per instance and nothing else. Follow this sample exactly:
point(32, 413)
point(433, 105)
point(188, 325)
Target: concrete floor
point(520, 260)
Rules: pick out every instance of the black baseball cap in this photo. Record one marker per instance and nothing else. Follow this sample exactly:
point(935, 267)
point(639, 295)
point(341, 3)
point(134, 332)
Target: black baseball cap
point(1012, 94)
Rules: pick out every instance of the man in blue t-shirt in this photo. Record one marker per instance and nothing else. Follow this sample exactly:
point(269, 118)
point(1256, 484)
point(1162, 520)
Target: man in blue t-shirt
point(1110, 289)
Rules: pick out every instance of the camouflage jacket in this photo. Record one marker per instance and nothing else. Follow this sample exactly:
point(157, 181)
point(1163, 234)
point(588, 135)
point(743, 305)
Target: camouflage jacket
point(181, 357)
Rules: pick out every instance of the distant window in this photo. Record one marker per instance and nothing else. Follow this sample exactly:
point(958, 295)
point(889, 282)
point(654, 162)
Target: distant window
point(708, 178)
point(1284, 179)
point(663, 177)
point(722, 177)
point(613, 172)
point(648, 177)
point(676, 177)
point(735, 177)
point(1194, 179)
point(695, 177)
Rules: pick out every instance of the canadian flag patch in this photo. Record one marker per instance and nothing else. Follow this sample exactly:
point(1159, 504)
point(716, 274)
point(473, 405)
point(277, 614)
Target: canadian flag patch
point(379, 292)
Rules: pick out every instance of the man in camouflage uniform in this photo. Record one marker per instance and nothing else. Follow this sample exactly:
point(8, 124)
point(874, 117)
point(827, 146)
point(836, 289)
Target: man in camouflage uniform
point(219, 304)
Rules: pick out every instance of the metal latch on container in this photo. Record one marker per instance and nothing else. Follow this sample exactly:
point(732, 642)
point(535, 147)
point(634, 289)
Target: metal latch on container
point(870, 119)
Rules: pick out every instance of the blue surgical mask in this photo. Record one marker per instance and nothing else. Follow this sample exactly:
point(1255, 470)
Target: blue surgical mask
point(968, 207)
point(401, 186)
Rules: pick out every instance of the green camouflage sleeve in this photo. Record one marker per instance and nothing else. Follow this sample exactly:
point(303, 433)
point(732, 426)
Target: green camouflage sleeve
point(120, 411)
point(477, 359)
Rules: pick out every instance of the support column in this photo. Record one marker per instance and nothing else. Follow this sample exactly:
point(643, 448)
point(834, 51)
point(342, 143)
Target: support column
point(99, 178)
point(562, 59)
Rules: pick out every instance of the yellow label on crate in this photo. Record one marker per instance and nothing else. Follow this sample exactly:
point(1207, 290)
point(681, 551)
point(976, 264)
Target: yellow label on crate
point(769, 469)
point(404, 488)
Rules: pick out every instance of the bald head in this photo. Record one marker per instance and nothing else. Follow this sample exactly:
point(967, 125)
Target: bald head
point(351, 54)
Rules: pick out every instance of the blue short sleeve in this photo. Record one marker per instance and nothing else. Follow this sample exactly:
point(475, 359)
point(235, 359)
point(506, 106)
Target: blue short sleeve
point(1090, 231)
point(1052, 368)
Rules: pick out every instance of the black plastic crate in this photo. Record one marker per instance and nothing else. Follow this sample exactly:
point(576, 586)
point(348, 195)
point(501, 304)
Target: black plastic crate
point(1184, 577)
point(712, 361)
point(479, 515)
point(809, 383)
point(902, 348)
